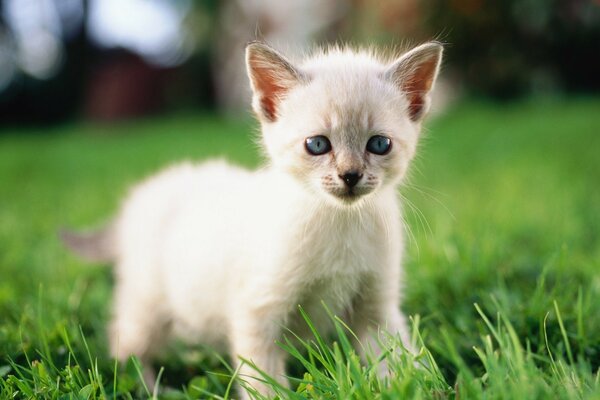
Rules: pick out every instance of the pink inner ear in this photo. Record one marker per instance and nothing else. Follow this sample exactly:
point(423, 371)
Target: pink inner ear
point(269, 98)
point(269, 89)
point(417, 85)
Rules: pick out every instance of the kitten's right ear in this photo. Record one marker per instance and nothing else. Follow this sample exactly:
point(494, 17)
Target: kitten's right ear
point(271, 77)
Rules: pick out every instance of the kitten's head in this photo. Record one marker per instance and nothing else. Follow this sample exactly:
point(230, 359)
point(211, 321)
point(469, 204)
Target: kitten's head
point(343, 123)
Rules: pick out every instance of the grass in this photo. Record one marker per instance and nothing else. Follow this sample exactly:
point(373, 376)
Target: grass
point(503, 264)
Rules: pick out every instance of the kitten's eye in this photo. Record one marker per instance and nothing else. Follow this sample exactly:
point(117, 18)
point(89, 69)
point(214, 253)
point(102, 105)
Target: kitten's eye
point(379, 145)
point(317, 145)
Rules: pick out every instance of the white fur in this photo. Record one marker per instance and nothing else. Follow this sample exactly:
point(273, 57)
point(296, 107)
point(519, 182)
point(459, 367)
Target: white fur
point(216, 254)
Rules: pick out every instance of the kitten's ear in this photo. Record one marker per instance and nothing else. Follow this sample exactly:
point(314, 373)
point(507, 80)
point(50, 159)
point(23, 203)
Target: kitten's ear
point(414, 73)
point(271, 77)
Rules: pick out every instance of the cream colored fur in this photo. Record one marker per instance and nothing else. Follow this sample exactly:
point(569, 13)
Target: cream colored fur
point(217, 254)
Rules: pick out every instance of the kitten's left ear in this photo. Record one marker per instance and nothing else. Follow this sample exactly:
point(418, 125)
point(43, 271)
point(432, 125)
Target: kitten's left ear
point(271, 77)
point(414, 73)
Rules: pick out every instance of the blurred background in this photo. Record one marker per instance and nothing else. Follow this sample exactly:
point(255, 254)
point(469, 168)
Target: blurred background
point(502, 207)
point(106, 60)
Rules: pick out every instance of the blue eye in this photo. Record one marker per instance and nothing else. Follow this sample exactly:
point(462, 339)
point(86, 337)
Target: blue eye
point(379, 145)
point(317, 145)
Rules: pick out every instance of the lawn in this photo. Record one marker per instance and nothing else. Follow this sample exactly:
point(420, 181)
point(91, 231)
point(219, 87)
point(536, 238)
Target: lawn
point(503, 266)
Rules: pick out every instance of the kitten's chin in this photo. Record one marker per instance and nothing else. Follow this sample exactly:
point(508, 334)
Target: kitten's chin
point(348, 197)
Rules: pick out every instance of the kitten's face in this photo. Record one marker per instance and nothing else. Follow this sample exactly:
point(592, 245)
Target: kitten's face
point(342, 141)
point(344, 128)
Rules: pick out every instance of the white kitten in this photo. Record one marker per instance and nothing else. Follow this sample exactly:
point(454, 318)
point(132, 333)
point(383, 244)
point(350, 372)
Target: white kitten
point(217, 254)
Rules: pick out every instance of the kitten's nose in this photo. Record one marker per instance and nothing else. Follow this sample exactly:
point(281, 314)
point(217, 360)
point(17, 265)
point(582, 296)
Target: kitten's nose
point(351, 178)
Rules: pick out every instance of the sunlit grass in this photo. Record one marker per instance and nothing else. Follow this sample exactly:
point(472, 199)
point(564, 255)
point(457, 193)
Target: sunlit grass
point(503, 263)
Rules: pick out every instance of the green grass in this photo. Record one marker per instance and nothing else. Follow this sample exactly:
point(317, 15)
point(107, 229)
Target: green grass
point(503, 263)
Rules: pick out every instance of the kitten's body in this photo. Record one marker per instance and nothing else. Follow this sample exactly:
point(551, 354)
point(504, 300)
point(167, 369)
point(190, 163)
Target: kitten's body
point(220, 255)
point(203, 270)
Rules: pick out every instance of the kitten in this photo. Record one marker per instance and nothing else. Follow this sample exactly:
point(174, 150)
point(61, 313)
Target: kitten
point(217, 254)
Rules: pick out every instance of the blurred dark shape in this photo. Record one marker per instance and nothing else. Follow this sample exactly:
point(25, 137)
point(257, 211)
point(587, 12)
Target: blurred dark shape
point(509, 48)
point(122, 85)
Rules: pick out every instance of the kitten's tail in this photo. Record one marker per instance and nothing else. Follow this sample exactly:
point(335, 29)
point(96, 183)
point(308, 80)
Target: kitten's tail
point(94, 246)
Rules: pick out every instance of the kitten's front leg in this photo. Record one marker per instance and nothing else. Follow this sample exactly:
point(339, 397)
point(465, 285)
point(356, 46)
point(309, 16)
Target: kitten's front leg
point(396, 324)
point(254, 339)
point(376, 316)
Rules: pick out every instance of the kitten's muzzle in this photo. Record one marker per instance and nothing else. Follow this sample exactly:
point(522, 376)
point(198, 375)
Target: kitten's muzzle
point(351, 178)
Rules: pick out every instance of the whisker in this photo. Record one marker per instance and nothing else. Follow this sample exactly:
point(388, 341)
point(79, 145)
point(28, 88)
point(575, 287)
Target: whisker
point(411, 236)
point(422, 190)
point(420, 215)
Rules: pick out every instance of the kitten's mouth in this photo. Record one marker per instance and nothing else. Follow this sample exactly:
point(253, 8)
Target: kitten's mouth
point(351, 193)
point(349, 196)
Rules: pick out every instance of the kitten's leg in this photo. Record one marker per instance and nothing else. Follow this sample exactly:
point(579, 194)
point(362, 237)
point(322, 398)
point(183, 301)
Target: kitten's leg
point(397, 324)
point(377, 315)
point(136, 328)
point(254, 340)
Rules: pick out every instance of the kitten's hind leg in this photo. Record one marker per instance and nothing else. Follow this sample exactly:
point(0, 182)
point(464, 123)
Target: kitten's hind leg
point(137, 329)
